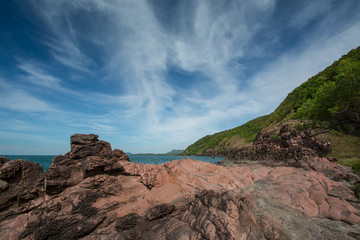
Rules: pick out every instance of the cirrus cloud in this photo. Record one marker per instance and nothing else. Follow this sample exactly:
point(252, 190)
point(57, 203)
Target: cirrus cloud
point(153, 76)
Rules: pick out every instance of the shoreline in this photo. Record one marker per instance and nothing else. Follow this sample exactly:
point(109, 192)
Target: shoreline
point(95, 192)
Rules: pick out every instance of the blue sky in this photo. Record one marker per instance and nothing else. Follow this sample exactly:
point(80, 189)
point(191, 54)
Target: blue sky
point(152, 76)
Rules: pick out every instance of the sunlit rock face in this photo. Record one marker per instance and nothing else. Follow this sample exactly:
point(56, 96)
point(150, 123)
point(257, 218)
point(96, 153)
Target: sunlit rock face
point(94, 192)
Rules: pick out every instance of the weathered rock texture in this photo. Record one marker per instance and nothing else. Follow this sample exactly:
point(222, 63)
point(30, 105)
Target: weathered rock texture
point(88, 157)
point(99, 194)
point(290, 147)
point(20, 182)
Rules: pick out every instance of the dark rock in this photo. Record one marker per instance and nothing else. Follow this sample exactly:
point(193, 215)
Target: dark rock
point(120, 155)
point(87, 145)
point(62, 228)
point(77, 140)
point(4, 160)
point(88, 157)
point(83, 145)
point(61, 177)
point(84, 207)
point(210, 152)
point(160, 211)
point(290, 147)
point(127, 222)
point(20, 182)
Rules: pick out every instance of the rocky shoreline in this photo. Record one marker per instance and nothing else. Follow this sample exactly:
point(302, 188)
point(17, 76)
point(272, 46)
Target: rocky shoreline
point(94, 192)
point(286, 146)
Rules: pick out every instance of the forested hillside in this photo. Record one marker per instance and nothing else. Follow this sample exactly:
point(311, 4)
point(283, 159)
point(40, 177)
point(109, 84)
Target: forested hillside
point(236, 137)
point(330, 100)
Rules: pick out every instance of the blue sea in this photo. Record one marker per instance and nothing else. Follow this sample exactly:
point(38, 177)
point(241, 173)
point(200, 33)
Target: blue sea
point(45, 160)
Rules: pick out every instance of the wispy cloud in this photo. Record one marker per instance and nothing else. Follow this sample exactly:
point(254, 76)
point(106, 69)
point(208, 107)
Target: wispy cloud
point(38, 76)
point(63, 41)
point(167, 75)
point(273, 83)
point(16, 99)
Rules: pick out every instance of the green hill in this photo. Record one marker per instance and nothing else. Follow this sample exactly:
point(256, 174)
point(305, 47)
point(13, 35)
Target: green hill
point(175, 152)
point(220, 142)
point(330, 100)
point(330, 97)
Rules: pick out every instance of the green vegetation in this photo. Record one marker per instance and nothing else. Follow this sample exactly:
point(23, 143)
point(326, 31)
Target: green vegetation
point(346, 149)
point(356, 190)
point(274, 136)
point(330, 99)
point(220, 141)
point(337, 102)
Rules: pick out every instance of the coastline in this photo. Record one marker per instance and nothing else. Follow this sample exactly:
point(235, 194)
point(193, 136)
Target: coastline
point(95, 192)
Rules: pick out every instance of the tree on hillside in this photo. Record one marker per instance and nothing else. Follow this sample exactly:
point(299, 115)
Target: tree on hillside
point(337, 102)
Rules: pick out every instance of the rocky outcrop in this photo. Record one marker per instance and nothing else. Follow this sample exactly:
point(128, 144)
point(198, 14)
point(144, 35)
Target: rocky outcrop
point(283, 146)
point(88, 145)
point(88, 157)
point(289, 147)
point(210, 152)
point(182, 199)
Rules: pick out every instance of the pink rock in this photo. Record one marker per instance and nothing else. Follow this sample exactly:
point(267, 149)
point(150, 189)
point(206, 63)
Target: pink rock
point(102, 197)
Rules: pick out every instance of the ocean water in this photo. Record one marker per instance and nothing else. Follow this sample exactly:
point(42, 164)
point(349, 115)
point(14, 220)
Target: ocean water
point(45, 160)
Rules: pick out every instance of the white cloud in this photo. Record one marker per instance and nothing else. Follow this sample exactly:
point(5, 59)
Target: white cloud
point(279, 78)
point(16, 99)
point(310, 11)
point(63, 40)
point(137, 52)
point(37, 76)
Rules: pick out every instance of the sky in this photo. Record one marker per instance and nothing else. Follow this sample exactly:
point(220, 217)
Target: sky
point(157, 75)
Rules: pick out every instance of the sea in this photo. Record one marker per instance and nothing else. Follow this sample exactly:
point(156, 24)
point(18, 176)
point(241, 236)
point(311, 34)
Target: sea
point(45, 160)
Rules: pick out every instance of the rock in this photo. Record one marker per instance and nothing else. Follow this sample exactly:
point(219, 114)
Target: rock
point(4, 160)
point(212, 215)
point(160, 211)
point(127, 222)
point(88, 157)
point(289, 147)
point(210, 152)
point(79, 140)
point(20, 182)
point(107, 197)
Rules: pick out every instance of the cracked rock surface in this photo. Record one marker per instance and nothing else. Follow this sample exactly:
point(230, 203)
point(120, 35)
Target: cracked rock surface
point(99, 194)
